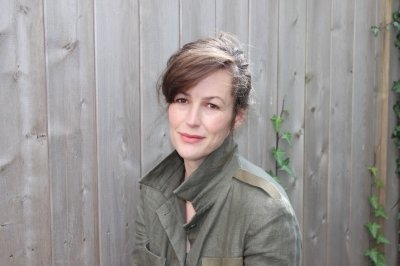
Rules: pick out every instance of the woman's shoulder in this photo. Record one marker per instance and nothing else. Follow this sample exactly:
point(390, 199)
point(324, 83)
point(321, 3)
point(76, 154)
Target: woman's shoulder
point(254, 177)
point(256, 192)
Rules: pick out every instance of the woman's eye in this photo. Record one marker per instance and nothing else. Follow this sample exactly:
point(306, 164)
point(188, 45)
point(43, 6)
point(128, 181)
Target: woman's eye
point(180, 100)
point(212, 106)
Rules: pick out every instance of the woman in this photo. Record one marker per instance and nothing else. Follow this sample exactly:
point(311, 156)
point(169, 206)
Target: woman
point(205, 204)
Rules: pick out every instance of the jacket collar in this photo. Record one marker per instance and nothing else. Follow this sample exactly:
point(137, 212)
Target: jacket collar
point(202, 188)
point(205, 184)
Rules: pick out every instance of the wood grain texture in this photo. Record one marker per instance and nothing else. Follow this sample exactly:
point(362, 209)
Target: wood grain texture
point(118, 125)
point(291, 89)
point(159, 39)
point(80, 121)
point(25, 234)
point(263, 57)
point(198, 19)
point(72, 132)
point(384, 85)
point(364, 127)
point(340, 132)
point(317, 110)
point(393, 184)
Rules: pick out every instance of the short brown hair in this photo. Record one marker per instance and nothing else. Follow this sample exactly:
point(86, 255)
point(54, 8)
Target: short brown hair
point(198, 59)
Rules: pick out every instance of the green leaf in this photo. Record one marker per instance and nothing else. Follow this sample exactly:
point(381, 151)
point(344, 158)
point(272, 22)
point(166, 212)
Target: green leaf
point(373, 229)
point(396, 25)
point(398, 166)
point(380, 212)
point(396, 136)
point(382, 240)
point(381, 260)
point(396, 109)
point(373, 200)
point(396, 86)
point(372, 254)
point(373, 170)
point(277, 122)
point(285, 162)
point(375, 30)
point(396, 16)
point(378, 182)
point(288, 137)
point(279, 155)
point(397, 43)
point(377, 258)
point(287, 169)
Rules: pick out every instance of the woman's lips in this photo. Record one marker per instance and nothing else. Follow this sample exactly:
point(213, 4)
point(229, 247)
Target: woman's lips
point(191, 138)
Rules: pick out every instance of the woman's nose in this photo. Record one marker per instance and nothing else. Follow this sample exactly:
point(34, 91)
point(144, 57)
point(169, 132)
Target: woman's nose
point(193, 117)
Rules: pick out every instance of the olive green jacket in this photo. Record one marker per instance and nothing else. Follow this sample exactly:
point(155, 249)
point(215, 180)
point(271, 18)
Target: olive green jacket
point(243, 217)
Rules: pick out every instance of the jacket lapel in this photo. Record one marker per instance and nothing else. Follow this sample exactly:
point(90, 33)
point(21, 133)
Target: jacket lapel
point(172, 225)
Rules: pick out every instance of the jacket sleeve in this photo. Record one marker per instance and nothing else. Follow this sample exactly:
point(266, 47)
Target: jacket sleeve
point(273, 237)
point(141, 238)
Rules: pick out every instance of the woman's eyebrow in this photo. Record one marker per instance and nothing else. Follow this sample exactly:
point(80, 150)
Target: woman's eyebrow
point(215, 97)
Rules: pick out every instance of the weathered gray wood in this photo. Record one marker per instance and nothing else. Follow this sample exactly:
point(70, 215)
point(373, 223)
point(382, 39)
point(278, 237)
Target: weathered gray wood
point(233, 17)
point(25, 234)
point(316, 156)
point(72, 132)
point(118, 125)
point(340, 132)
point(363, 124)
point(75, 139)
point(291, 89)
point(393, 184)
point(159, 39)
point(263, 50)
point(198, 19)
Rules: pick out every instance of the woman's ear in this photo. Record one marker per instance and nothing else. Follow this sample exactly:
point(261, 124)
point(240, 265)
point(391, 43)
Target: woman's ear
point(240, 116)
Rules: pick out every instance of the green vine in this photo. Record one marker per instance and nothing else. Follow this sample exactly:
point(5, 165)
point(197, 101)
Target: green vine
point(375, 254)
point(282, 162)
point(396, 106)
point(395, 26)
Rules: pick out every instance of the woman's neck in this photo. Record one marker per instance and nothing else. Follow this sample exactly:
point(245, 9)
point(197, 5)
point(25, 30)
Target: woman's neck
point(191, 166)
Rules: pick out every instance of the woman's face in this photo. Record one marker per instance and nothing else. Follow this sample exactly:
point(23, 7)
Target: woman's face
point(201, 118)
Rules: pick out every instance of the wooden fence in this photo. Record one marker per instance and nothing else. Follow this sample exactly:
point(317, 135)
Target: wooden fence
point(80, 121)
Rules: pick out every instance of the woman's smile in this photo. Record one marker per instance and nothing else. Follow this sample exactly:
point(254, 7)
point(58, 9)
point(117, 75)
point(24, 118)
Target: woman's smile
point(192, 139)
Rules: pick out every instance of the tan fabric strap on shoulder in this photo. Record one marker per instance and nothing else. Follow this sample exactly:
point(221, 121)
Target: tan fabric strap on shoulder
point(257, 181)
point(222, 261)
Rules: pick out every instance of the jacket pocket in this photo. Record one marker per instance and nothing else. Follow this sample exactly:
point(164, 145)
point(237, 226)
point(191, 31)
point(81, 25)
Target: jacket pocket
point(222, 261)
point(148, 258)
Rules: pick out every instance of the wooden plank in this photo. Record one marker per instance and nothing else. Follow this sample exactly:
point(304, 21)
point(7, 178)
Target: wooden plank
point(118, 125)
point(291, 89)
point(159, 39)
point(383, 102)
point(198, 19)
point(383, 137)
point(25, 236)
point(264, 65)
point(72, 132)
point(392, 184)
point(363, 134)
point(340, 133)
point(233, 17)
point(316, 157)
